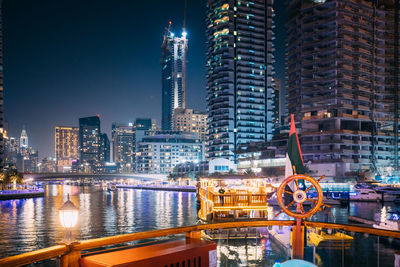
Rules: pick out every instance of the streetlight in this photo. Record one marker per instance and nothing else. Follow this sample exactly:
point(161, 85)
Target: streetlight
point(68, 218)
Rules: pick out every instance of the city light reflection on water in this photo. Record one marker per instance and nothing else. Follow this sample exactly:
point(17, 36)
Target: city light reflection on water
point(29, 224)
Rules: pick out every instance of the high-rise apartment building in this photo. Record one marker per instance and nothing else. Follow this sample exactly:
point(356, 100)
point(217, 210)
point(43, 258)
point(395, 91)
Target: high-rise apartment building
point(66, 147)
point(343, 84)
point(189, 120)
point(278, 103)
point(240, 100)
point(47, 165)
point(13, 144)
point(27, 160)
point(144, 127)
point(104, 148)
point(90, 142)
point(173, 75)
point(123, 146)
point(162, 152)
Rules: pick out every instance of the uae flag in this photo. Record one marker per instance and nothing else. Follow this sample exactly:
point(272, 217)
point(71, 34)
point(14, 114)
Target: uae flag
point(294, 158)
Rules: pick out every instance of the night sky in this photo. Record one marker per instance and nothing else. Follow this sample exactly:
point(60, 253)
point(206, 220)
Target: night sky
point(69, 59)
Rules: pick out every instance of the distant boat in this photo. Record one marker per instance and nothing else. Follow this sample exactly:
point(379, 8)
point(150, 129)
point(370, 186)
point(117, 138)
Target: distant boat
point(392, 224)
point(370, 195)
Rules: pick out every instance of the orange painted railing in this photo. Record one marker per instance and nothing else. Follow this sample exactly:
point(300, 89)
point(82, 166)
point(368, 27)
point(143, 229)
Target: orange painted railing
point(239, 200)
point(69, 255)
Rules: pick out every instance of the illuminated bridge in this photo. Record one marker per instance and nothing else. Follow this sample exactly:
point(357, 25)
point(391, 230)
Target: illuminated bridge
point(95, 176)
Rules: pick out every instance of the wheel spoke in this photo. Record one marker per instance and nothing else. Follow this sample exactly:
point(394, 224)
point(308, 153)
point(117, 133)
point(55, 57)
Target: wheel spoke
point(301, 208)
point(276, 215)
point(289, 204)
point(297, 183)
point(312, 200)
point(311, 186)
point(322, 177)
point(288, 192)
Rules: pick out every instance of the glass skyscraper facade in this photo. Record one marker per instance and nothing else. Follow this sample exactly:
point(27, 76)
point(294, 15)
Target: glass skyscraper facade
point(90, 141)
point(123, 146)
point(173, 76)
point(240, 94)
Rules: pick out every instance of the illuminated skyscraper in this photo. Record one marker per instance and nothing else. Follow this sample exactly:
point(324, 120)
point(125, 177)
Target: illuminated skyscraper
point(89, 142)
point(123, 146)
point(23, 140)
point(240, 94)
point(66, 147)
point(173, 75)
point(278, 103)
point(104, 148)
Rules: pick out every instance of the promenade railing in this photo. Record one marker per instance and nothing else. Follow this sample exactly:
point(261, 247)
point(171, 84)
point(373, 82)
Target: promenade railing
point(69, 255)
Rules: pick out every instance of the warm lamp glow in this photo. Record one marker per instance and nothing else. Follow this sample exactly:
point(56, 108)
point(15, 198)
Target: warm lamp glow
point(68, 214)
point(68, 218)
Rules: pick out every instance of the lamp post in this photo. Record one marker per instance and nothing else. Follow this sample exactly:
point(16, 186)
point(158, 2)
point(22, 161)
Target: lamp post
point(68, 218)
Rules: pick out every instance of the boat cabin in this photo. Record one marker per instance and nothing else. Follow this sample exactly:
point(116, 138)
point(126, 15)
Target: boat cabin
point(229, 198)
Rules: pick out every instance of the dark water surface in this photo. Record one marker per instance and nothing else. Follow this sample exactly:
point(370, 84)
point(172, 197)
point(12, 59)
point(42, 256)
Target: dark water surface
point(30, 224)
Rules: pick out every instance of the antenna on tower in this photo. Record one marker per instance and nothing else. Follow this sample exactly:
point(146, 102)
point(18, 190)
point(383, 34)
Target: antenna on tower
point(184, 16)
point(168, 30)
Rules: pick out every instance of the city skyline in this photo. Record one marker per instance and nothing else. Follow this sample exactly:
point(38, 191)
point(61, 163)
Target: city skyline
point(230, 132)
point(122, 70)
point(81, 70)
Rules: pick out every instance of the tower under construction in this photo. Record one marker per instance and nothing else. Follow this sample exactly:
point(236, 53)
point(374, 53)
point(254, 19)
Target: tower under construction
point(343, 84)
point(173, 75)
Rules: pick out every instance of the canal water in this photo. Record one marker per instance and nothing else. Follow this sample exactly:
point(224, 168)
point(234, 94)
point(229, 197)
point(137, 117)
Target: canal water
point(30, 224)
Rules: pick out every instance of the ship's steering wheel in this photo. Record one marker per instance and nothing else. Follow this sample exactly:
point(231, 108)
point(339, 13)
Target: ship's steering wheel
point(300, 196)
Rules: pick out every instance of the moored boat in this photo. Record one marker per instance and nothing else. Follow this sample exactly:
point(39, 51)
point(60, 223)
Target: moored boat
point(323, 239)
point(230, 198)
point(370, 195)
point(392, 224)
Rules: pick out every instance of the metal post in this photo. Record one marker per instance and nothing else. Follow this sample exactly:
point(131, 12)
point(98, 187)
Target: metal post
point(378, 250)
point(70, 259)
point(298, 238)
point(313, 260)
point(342, 249)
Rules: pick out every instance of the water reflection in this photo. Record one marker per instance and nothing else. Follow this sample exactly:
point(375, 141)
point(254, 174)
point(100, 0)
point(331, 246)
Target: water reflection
point(249, 252)
point(29, 224)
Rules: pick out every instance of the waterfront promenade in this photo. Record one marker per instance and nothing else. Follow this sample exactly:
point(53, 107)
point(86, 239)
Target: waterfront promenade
point(22, 193)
